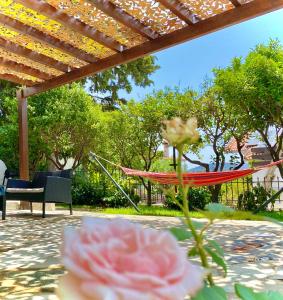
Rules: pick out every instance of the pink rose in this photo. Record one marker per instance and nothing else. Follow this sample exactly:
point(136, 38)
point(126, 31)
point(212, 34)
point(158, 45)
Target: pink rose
point(119, 260)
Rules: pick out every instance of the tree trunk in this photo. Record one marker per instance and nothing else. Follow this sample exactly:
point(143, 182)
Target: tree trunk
point(148, 189)
point(215, 191)
point(280, 167)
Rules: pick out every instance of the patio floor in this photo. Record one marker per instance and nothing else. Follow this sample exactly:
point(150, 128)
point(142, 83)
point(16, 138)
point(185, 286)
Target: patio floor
point(30, 262)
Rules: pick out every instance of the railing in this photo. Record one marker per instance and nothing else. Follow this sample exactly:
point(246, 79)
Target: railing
point(231, 191)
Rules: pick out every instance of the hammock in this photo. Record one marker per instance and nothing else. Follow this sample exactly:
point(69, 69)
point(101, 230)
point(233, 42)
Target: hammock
point(198, 179)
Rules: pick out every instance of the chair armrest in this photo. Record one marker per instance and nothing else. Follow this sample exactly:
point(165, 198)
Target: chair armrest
point(58, 189)
point(18, 183)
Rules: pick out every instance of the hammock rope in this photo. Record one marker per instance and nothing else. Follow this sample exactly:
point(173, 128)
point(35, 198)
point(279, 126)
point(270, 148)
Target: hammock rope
point(193, 179)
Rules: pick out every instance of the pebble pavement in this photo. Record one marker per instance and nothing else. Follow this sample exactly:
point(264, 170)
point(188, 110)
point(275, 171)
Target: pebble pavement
point(30, 252)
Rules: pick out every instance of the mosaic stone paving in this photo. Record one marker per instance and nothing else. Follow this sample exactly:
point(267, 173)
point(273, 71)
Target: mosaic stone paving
point(30, 246)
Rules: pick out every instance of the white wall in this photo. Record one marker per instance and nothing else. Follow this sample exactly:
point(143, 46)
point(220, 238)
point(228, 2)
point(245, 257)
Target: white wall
point(2, 171)
point(260, 175)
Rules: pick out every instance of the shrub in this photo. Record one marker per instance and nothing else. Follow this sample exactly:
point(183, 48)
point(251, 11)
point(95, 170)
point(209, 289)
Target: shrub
point(117, 200)
point(253, 199)
point(86, 190)
point(198, 198)
point(90, 189)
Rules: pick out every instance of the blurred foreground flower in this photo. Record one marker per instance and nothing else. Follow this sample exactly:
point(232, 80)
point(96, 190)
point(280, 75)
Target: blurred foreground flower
point(119, 260)
point(178, 132)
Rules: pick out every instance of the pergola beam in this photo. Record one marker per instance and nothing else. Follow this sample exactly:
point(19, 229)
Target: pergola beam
point(16, 79)
point(35, 56)
point(126, 19)
point(48, 39)
point(236, 3)
point(70, 22)
point(228, 18)
point(179, 10)
point(24, 69)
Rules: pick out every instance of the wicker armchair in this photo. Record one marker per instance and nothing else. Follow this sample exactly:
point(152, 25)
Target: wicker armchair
point(46, 187)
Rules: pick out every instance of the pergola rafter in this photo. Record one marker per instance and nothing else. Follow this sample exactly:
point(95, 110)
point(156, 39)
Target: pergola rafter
point(72, 23)
point(48, 39)
point(180, 10)
point(35, 56)
point(123, 17)
point(236, 3)
point(47, 43)
point(16, 79)
point(24, 69)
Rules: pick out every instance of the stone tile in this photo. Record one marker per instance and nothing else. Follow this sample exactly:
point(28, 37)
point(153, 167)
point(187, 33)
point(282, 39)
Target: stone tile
point(30, 256)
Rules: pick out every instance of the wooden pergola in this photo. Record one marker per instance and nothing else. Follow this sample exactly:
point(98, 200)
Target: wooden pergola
point(47, 43)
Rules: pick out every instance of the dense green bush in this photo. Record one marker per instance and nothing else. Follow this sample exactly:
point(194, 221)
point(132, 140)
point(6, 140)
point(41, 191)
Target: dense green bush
point(253, 199)
point(198, 198)
point(117, 200)
point(90, 189)
point(86, 191)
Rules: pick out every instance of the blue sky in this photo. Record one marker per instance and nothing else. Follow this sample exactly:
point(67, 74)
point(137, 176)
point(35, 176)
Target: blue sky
point(188, 64)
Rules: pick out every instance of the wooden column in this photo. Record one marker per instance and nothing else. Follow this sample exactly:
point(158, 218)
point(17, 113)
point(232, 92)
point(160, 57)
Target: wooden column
point(23, 141)
point(23, 136)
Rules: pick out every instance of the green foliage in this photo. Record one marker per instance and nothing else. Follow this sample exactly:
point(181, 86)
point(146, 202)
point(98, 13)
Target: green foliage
point(216, 258)
point(117, 200)
point(253, 88)
point(253, 199)
point(110, 82)
point(181, 234)
point(86, 190)
point(197, 197)
point(211, 293)
point(213, 244)
point(218, 208)
point(246, 293)
point(93, 189)
point(64, 123)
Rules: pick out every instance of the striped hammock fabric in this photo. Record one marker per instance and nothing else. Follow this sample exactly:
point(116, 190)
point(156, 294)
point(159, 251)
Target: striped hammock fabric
point(198, 179)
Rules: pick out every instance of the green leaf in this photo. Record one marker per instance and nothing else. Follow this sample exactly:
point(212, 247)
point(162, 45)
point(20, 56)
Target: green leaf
point(218, 208)
point(211, 293)
point(216, 247)
point(181, 234)
point(246, 293)
point(217, 259)
point(273, 221)
point(198, 225)
point(193, 252)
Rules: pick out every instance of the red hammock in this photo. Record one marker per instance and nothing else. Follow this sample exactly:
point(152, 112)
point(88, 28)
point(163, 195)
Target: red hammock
point(197, 179)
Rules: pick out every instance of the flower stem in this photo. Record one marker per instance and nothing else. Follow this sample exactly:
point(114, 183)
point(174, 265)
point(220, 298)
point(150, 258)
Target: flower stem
point(185, 207)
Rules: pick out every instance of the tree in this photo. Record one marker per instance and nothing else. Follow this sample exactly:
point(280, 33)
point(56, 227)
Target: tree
point(254, 87)
point(135, 131)
point(63, 124)
point(105, 86)
point(217, 125)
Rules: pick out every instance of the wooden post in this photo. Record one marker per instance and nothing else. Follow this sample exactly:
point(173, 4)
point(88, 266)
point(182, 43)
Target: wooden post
point(23, 141)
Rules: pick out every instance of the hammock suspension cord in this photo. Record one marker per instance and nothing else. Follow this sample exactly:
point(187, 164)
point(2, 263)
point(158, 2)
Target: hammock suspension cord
point(95, 157)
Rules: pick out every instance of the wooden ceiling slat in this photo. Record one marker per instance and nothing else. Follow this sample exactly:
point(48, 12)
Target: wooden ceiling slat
point(72, 23)
point(43, 37)
point(16, 79)
point(24, 69)
point(236, 3)
point(179, 10)
point(228, 18)
point(126, 19)
point(40, 58)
